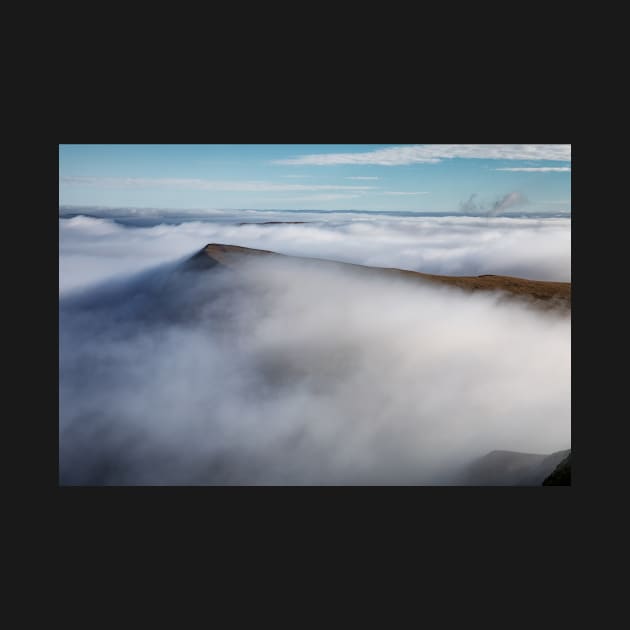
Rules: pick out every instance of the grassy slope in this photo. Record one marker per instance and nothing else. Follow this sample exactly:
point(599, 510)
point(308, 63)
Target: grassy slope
point(545, 294)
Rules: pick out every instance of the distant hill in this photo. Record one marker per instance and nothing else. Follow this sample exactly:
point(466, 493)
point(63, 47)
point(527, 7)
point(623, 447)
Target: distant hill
point(544, 294)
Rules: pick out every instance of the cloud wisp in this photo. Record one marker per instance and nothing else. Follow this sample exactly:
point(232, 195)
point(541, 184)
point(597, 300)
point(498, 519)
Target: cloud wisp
point(470, 206)
point(201, 184)
point(513, 199)
point(434, 153)
point(319, 197)
point(538, 169)
point(402, 193)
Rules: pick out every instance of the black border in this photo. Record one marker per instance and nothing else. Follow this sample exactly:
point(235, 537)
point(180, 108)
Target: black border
point(517, 519)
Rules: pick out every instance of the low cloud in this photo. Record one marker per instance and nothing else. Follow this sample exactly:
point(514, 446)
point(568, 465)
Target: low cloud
point(289, 373)
point(95, 249)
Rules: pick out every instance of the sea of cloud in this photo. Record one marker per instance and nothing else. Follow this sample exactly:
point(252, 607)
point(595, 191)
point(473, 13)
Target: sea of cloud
point(94, 249)
point(290, 372)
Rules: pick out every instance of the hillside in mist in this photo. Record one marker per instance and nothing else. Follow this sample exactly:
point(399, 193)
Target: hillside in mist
point(512, 468)
point(240, 365)
point(543, 293)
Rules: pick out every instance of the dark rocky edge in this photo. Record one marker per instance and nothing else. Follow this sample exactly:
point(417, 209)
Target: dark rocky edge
point(561, 476)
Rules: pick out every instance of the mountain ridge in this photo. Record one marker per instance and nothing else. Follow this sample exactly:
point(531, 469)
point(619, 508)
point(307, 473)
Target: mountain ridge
point(543, 293)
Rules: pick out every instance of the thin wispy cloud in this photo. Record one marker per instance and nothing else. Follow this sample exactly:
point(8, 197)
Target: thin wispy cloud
point(434, 153)
point(321, 197)
point(395, 192)
point(361, 177)
point(539, 169)
point(470, 205)
point(201, 184)
point(511, 200)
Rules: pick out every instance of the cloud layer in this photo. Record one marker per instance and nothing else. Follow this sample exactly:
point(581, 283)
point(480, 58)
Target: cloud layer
point(290, 373)
point(94, 249)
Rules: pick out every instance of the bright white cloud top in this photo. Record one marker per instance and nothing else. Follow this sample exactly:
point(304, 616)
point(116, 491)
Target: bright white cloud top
point(93, 249)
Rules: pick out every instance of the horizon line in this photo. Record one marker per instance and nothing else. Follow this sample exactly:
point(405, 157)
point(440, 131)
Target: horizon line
point(210, 211)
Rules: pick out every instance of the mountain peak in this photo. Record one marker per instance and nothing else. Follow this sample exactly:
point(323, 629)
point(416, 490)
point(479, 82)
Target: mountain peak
point(544, 294)
point(219, 254)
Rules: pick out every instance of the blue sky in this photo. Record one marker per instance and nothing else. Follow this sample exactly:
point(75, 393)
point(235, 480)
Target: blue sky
point(430, 178)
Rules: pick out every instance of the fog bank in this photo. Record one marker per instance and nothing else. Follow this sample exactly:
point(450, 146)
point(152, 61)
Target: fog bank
point(289, 373)
point(95, 249)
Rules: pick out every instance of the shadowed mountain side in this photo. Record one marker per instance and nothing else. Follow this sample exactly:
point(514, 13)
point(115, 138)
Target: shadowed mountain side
point(561, 476)
point(545, 294)
point(511, 468)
